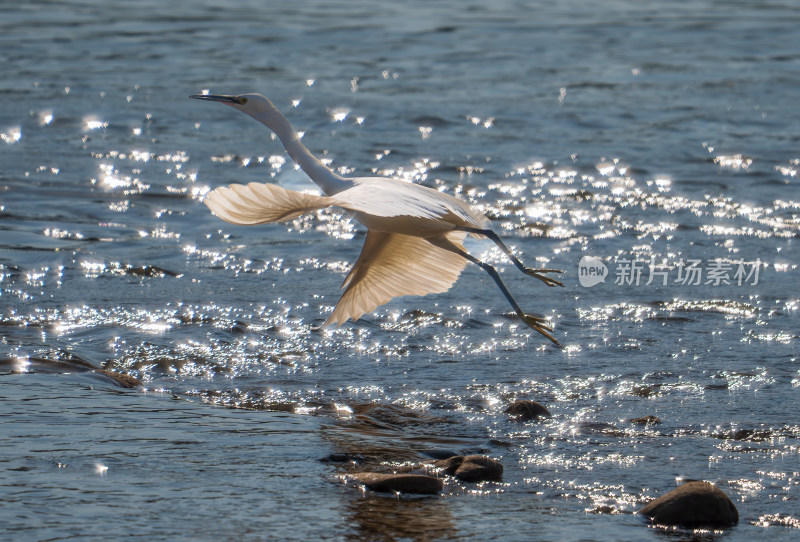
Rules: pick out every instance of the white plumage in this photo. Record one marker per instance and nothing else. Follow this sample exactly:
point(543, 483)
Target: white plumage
point(414, 238)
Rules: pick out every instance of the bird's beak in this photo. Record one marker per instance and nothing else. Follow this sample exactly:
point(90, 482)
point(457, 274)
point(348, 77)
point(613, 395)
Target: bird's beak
point(223, 98)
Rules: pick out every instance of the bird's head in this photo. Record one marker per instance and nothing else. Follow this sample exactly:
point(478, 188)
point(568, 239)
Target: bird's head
point(254, 105)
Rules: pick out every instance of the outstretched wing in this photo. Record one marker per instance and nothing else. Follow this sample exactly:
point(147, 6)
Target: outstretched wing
point(258, 203)
point(393, 265)
point(393, 198)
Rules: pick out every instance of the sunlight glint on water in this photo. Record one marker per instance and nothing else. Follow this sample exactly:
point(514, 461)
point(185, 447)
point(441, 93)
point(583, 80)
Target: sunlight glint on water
point(676, 175)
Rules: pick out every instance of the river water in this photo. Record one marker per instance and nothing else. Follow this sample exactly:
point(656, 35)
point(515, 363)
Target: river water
point(650, 150)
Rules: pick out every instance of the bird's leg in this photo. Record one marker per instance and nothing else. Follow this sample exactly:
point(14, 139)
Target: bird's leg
point(534, 322)
point(519, 265)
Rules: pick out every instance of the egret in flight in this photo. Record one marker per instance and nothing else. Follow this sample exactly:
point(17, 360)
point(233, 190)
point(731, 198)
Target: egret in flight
point(414, 233)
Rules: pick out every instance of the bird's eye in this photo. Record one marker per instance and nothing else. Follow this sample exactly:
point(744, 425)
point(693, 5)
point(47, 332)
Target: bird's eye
point(242, 101)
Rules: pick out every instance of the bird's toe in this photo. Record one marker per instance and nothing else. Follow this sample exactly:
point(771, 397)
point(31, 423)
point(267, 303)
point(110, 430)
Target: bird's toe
point(539, 325)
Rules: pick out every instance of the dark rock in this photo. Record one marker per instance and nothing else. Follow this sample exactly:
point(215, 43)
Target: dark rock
point(472, 468)
point(526, 409)
point(644, 391)
point(751, 435)
point(694, 504)
point(124, 380)
point(479, 471)
point(646, 420)
point(150, 271)
point(240, 328)
point(403, 483)
point(342, 458)
point(71, 363)
point(600, 428)
point(723, 386)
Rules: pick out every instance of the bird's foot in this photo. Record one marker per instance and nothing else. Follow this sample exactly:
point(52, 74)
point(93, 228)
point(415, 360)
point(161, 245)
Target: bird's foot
point(539, 324)
point(547, 280)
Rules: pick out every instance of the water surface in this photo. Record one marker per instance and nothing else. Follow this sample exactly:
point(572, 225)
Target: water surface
point(661, 138)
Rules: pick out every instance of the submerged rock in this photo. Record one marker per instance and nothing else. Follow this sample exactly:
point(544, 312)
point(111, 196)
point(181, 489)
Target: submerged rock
point(644, 391)
point(646, 420)
point(124, 380)
point(600, 428)
point(526, 409)
point(342, 458)
point(694, 504)
point(70, 363)
point(402, 483)
point(472, 468)
point(149, 271)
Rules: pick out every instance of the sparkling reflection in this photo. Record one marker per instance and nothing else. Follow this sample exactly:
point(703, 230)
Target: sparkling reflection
point(125, 267)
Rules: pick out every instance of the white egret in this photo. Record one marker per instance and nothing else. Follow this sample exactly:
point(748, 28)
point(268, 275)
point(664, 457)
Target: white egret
point(414, 233)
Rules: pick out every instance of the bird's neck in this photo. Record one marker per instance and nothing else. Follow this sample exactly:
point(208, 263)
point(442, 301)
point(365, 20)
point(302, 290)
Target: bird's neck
point(327, 180)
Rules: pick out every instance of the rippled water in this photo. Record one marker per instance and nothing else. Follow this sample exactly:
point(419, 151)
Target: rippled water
point(661, 140)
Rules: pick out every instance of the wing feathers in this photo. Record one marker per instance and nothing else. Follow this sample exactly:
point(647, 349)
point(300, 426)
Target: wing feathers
point(257, 203)
point(390, 264)
point(393, 265)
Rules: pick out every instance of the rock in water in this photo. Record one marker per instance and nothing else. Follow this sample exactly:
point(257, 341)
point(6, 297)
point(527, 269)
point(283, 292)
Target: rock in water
point(402, 483)
point(694, 504)
point(527, 410)
point(126, 381)
point(472, 468)
point(646, 420)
